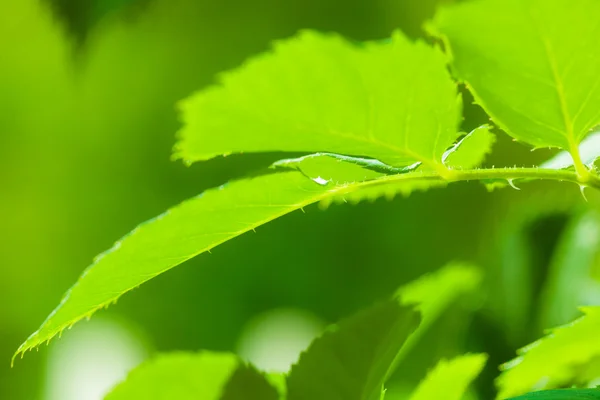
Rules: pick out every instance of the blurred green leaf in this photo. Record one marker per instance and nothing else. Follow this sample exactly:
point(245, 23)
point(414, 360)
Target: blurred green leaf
point(561, 394)
point(569, 282)
point(450, 379)
point(352, 359)
point(391, 100)
point(187, 376)
point(538, 79)
point(435, 292)
point(557, 360)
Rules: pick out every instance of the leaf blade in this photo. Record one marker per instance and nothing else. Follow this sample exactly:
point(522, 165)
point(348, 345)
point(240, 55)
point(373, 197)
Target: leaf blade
point(351, 360)
point(543, 91)
point(450, 379)
point(556, 360)
point(391, 100)
point(188, 376)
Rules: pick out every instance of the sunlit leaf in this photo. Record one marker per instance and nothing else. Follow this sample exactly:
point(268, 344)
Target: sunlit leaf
point(531, 64)
point(391, 100)
point(450, 379)
point(470, 151)
point(188, 376)
point(188, 230)
point(559, 359)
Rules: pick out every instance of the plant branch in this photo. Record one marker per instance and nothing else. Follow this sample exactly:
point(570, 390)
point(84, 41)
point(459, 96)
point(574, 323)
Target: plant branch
point(492, 174)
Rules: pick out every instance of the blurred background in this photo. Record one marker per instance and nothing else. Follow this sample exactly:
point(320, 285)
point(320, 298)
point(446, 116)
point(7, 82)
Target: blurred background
point(88, 93)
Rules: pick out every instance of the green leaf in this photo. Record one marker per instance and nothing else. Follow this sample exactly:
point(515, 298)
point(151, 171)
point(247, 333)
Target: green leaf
point(179, 234)
point(531, 64)
point(337, 365)
point(391, 100)
point(434, 293)
point(449, 380)
point(205, 376)
point(351, 360)
point(570, 282)
point(562, 394)
point(560, 359)
point(185, 231)
point(470, 151)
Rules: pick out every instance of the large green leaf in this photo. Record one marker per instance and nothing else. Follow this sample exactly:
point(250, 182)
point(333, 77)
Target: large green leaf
point(352, 359)
point(560, 359)
point(192, 228)
point(450, 379)
point(392, 100)
point(201, 376)
point(562, 394)
point(532, 64)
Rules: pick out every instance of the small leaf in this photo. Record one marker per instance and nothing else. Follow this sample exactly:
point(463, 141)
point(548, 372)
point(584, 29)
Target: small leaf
point(351, 360)
point(205, 376)
point(470, 151)
point(562, 394)
point(391, 100)
point(560, 359)
point(538, 79)
point(449, 380)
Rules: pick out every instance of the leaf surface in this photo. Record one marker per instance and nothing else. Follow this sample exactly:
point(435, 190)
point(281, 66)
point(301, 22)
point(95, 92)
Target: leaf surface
point(570, 282)
point(435, 292)
point(531, 64)
point(352, 359)
point(187, 376)
point(189, 229)
point(470, 151)
point(557, 360)
point(391, 100)
point(450, 379)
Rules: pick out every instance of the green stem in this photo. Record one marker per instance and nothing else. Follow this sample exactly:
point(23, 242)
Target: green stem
point(581, 170)
point(505, 174)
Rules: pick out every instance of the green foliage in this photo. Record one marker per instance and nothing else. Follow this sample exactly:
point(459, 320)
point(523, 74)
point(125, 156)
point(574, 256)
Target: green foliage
point(471, 150)
point(570, 280)
point(353, 359)
point(562, 394)
point(376, 119)
point(566, 356)
point(545, 90)
point(186, 376)
point(450, 379)
point(434, 293)
point(391, 100)
point(350, 360)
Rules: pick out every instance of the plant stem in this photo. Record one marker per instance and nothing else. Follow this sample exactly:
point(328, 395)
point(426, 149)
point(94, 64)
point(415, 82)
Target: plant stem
point(500, 174)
